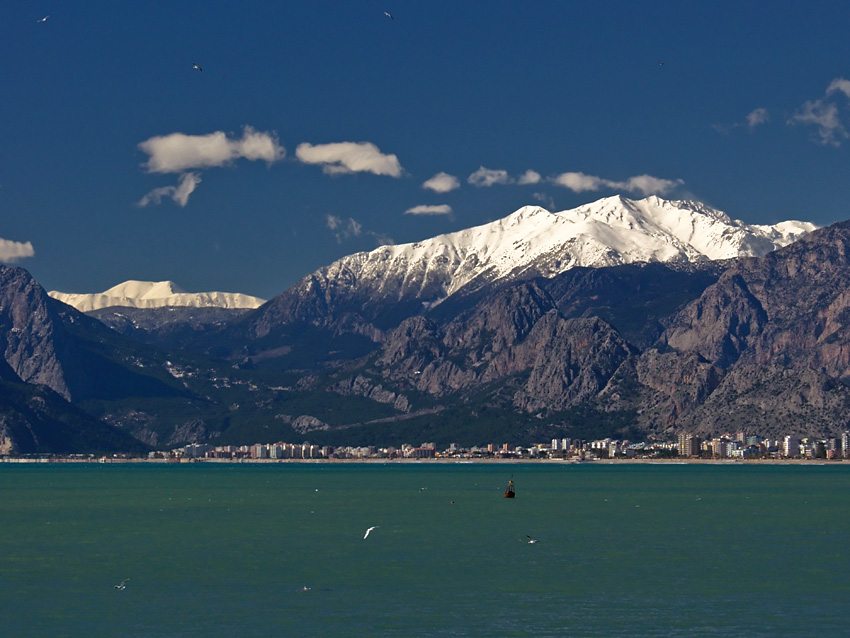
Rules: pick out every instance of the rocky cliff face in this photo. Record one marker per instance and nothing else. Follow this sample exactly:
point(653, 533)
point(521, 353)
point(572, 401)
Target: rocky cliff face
point(553, 362)
point(776, 333)
point(33, 341)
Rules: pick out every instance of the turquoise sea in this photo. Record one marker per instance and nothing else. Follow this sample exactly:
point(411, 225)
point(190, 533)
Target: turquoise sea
point(278, 550)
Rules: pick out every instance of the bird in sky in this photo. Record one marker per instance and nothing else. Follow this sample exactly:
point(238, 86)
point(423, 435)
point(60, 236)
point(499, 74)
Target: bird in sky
point(389, 15)
point(195, 65)
point(123, 584)
point(44, 19)
point(530, 539)
point(369, 530)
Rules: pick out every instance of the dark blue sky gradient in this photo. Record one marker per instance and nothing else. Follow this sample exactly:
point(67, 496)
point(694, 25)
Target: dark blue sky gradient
point(445, 86)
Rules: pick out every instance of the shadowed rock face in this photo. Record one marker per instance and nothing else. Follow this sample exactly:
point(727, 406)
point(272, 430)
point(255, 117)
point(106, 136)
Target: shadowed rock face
point(32, 340)
point(775, 334)
point(518, 333)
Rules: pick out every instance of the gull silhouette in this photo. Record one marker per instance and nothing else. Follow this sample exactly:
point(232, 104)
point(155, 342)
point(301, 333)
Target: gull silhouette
point(196, 66)
point(123, 584)
point(369, 530)
point(44, 19)
point(531, 540)
point(389, 15)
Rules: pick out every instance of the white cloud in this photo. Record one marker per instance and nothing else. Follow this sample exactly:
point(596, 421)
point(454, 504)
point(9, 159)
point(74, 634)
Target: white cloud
point(179, 193)
point(429, 210)
point(349, 157)
point(641, 184)
point(647, 185)
point(442, 183)
point(757, 117)
point(178, 152)
point(839, 84)
point(11, 251)
point(578, 182)
point(488, 177)
point(547, 200)
point(343, 229)
point(529, 177)
point(824, 114)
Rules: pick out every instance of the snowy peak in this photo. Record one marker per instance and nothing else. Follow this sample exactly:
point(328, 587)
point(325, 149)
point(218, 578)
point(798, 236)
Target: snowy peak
point(535, 242)
point(133, 289)
point(155, 294)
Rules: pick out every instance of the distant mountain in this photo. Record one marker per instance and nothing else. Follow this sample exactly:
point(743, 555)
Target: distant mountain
point(763, 346)
point(370, 293)
point(689, 337)
point(149, 294)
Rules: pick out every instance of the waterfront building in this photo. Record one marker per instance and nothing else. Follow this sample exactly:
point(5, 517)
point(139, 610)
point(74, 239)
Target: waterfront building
point(791, 446)
point(689, 445)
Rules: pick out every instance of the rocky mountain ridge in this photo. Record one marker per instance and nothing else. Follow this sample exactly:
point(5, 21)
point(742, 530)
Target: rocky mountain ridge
point(643, 349)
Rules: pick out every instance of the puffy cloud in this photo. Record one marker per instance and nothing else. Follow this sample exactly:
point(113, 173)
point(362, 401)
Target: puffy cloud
point(757, 117)
point(178, 152)
point(488, 177)
point(343, 229)
point(11, 251)
point(641, 184)
point(179, 193)
point(349, 157)
point(529, 177)
point(578, 182)
point(429, 210)
point(442, 183)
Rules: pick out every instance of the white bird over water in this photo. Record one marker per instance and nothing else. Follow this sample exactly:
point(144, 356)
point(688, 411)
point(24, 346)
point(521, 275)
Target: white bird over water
point(531, 540)
point(44, 19)
point(123, 584)
point(369, 530)
point(389, 15)
point(195, 65)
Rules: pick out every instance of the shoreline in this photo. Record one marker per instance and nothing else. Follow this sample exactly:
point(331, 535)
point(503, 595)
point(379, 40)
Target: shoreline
point(460, 461)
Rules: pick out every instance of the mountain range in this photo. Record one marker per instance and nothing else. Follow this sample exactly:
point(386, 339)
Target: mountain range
point(621, 318)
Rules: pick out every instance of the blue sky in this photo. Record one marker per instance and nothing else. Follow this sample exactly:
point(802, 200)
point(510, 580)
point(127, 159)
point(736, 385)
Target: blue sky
point(318, 129)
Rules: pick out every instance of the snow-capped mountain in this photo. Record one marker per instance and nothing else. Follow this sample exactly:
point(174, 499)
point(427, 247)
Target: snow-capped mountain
point(608, 232)
point(150, 294)
point(530, 242)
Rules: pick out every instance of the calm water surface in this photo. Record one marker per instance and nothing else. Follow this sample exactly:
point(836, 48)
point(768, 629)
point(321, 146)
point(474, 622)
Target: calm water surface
point(228, 550)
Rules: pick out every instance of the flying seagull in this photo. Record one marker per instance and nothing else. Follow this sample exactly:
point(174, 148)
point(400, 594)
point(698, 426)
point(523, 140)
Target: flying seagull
point(369, 530)
point(531, 540)
point(195, 65)
point(123, 584)
point(44, 19)
point(389, 15)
